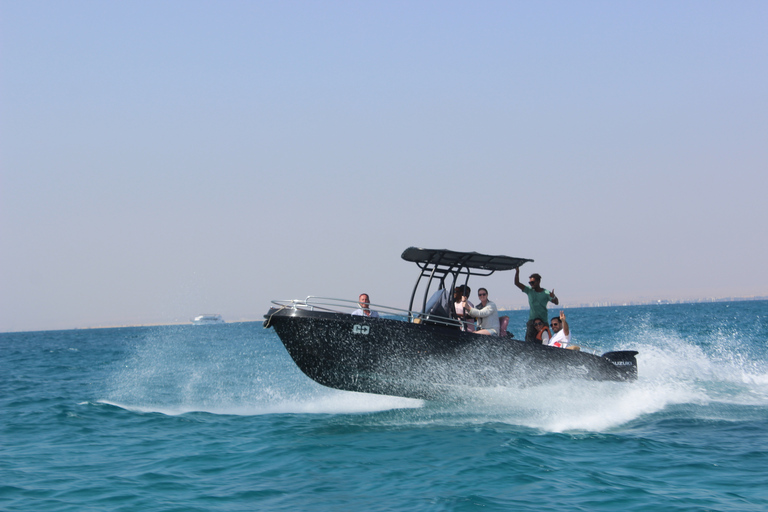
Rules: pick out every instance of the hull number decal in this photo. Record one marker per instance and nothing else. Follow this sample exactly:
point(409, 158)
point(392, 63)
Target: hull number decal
point(361, 329)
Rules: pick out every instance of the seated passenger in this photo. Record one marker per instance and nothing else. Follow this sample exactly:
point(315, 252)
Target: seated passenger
point(487, 315)
point(562, 337)
point(460, 294)
point(542, 332)
point(364, 310)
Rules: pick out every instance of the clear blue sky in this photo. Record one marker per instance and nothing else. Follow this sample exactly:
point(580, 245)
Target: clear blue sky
point(160, 160)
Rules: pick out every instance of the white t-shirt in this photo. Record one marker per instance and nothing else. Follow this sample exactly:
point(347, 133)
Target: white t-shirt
point(361, 312)
point(560, 339)
point(467, 322)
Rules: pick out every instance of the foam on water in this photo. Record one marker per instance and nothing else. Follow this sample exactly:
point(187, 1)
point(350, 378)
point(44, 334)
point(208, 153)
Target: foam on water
point(672, 371)
point(175, 375)
point(334, 402)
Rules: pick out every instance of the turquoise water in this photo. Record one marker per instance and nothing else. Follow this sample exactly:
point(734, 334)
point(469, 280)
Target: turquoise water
point(218, 418)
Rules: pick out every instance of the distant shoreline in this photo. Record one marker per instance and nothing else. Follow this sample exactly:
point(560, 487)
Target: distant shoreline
point(659, 302)
point(596, 304)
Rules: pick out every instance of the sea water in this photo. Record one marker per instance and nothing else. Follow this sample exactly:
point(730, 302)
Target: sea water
point(218, 418)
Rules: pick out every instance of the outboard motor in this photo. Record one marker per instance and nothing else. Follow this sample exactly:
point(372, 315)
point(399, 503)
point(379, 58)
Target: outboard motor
point(625, 361)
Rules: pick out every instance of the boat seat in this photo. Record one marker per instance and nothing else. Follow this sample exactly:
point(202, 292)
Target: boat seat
point(503, 323)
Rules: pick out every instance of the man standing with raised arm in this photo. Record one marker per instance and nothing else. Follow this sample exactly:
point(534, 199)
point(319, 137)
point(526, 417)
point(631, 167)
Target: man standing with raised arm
point(537, 300)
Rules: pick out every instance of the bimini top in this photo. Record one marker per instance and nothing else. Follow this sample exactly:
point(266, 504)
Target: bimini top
point(473, 260)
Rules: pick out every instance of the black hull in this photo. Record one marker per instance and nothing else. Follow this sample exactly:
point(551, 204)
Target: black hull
point(392, 357)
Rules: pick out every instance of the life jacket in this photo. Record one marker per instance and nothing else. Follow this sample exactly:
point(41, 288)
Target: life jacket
point(538, 335)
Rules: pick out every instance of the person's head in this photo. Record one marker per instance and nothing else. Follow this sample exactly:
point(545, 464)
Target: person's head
point(461, 291)
point(538, 324)
point(482, 294)
point(363, 300)
point(556, 324)
point(534, 280)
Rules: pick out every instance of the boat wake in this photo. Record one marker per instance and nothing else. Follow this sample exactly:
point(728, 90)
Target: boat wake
point(327, 402)
point(171, 374)
point(677, 378)
point(714, 378)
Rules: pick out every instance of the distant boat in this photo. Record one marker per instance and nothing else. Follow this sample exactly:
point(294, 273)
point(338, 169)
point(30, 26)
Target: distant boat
point(207, 320)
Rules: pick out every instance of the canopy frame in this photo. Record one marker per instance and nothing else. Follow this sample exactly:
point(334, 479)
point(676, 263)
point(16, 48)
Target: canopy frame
point(437, 264)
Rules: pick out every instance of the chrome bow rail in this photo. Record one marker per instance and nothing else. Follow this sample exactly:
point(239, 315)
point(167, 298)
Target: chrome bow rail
point(343, 306)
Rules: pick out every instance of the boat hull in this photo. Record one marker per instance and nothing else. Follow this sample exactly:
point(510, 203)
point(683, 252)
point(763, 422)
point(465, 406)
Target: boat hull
point(392, 357)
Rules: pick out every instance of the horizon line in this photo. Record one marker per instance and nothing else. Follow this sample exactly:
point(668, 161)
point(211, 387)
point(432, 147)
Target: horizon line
point(596, 304)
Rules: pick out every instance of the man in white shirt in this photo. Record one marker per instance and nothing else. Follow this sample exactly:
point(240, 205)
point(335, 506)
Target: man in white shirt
point(364, 310)
point(562, 336)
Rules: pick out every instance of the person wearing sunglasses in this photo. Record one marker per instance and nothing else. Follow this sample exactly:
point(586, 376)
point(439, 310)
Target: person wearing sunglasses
point(486, 313)
point(562, 337)
point(542, 335)
point(538, 298)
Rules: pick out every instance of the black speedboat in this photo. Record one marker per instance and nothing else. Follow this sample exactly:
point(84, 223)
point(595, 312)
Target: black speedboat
point(423, 352)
